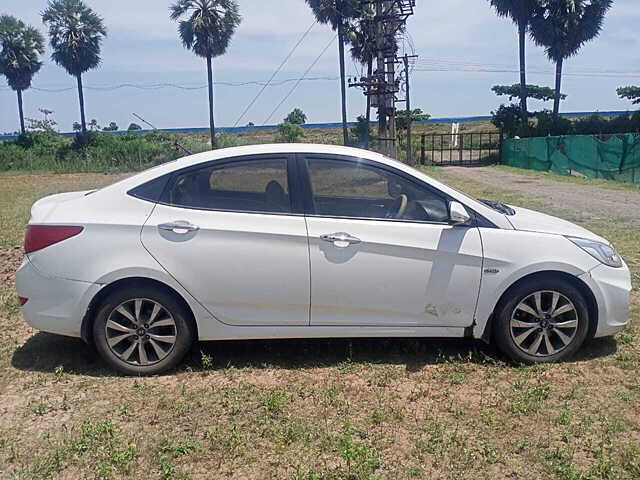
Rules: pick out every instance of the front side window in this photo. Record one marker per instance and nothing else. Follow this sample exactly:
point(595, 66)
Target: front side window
point(248, 186)
point(358, 190)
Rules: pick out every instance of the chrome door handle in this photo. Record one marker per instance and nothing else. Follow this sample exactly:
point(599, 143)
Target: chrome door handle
point(340, 238)
point(179, 226)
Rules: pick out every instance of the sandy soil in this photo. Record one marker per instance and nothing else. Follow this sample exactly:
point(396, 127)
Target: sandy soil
point(589, 201)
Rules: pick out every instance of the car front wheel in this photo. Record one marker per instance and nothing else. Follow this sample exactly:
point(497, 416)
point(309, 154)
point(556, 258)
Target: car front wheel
point(142, 330)
point(542, 320)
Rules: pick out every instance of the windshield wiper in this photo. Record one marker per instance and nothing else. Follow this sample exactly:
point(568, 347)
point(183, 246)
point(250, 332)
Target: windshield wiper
point(499, 207)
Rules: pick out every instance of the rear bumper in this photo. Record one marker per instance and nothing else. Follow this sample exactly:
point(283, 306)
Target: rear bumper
point(611, 288)
point(54, 305)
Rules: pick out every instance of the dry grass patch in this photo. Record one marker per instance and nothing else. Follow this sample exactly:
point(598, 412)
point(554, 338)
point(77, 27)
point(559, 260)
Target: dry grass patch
point(313, 409)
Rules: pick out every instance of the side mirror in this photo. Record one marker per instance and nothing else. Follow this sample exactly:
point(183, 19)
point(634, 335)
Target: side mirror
point(458, 215)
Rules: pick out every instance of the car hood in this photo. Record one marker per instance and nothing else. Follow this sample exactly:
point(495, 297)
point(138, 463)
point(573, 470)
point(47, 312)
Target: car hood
point(532, 221)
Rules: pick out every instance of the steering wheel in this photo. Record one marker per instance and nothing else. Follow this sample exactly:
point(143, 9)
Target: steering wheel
point(401, 202)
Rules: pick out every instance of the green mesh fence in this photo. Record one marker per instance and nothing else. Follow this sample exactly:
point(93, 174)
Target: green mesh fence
point(617, 158)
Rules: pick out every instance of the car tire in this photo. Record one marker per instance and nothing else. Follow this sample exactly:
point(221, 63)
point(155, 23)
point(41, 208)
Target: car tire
point(142, 330)
point(542, 320)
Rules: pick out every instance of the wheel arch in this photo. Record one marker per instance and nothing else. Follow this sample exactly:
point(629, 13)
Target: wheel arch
point(589, 297)
point(94, 304)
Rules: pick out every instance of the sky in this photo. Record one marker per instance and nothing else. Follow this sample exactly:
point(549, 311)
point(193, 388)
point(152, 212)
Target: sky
point(142, 48)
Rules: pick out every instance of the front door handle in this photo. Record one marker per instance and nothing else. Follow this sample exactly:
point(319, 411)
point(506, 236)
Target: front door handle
point(340, 239)
point(179, 226)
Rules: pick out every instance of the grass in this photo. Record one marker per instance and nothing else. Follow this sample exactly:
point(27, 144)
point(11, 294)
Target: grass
point(314, 409)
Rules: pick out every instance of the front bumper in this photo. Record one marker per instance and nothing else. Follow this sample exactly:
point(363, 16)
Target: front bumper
point(611, 288)
point(54, 305)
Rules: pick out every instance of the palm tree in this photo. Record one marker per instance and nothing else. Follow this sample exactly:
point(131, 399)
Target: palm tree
point(363, 51)
point(338, 13)
point(563, 27)
point(207, 31)
point(520, 11)
point(75, 34)
point(19, 58)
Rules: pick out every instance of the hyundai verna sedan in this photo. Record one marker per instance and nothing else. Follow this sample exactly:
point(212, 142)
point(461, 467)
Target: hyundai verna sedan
point(293, 241)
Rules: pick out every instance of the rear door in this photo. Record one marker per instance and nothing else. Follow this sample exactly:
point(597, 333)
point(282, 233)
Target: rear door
point(382, 252)
point(231, 234)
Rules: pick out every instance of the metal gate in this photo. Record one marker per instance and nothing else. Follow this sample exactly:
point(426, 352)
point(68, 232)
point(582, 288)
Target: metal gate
point(466, 149)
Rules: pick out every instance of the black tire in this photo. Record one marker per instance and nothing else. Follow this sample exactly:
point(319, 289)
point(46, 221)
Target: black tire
point(505, 336)
point(182, 331)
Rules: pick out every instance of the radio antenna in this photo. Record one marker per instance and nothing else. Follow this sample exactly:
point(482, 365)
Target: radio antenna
point(176, 143)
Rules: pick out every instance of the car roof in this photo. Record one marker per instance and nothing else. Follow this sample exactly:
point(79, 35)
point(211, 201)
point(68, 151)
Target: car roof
point(279, 148)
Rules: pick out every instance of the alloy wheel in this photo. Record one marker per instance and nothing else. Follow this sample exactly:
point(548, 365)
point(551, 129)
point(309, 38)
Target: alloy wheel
point(544, 323)
point(141, 332)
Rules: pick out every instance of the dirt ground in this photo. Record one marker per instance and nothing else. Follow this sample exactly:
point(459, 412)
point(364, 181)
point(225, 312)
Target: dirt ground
point(326, 409)
point(586, 201)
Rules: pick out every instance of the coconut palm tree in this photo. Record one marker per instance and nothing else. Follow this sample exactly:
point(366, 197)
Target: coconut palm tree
point(75, 34)
point(19, 59)
point(363, 51)
point(520, 12)
point(207, 30)
point(338, 14)
point(562, 27)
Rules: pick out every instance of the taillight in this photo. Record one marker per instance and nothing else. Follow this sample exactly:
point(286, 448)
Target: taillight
point(22, 300)
point(42, 236)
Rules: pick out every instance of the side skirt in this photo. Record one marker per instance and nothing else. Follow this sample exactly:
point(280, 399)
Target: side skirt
point(266, 333)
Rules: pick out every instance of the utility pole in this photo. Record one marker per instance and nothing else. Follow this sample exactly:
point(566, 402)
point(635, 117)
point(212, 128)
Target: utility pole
point(390, 16)
point(343, 91)
point(408, 101)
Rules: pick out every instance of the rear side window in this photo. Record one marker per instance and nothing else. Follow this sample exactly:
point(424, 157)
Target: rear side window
point(259, 186)
point(151, 191)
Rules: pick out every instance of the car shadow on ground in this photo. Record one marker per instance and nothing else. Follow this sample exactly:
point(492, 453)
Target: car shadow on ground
point(45, 352)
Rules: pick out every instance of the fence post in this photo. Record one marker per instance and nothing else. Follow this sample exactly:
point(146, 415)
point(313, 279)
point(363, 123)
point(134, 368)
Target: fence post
point(422, 149)
point(501, 140)
point(460, 147)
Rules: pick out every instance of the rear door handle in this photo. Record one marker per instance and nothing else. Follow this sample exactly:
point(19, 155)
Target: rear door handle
point(179, 226)
point(340, 239)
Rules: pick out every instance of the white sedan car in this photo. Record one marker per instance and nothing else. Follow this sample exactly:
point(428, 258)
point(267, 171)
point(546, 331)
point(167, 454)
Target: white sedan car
point(293, 241)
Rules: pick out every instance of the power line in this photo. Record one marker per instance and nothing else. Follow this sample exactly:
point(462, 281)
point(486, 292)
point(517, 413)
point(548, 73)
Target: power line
point(534, 72)
point(313, 64)
point(159, 86)
point(295, 47)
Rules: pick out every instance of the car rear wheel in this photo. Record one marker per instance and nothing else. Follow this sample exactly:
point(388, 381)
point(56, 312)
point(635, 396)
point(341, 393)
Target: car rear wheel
point(543, 320)
point(142, 330)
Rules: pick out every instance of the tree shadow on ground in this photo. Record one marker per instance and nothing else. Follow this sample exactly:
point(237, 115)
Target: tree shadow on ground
point(45, 352)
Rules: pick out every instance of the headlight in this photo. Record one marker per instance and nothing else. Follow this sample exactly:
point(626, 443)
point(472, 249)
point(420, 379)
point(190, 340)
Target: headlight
point(603, 252)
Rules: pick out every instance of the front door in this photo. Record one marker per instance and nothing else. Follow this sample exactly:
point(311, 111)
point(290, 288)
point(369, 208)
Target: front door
point(228, 234)
point(382, 252)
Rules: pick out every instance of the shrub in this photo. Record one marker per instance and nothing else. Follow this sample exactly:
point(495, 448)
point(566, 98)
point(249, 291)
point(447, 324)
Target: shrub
point(289, 133)
point(546, 125)
point(360, 133)
point(296, 117)
point(508, 118)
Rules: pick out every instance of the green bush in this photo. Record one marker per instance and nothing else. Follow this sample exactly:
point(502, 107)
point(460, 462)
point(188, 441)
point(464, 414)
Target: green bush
point(361, 133)
point(289, 133)
point(546, 125)
point(98, 152)
point(508, 118)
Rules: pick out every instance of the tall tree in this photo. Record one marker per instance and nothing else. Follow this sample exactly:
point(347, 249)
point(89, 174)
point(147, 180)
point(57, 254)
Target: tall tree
point(75, 34)
point(361, 38)
point(22, 46)
point(521, 12)
point(207, 31)
point(630, 93)
point(562, 27)
point(338, 14)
